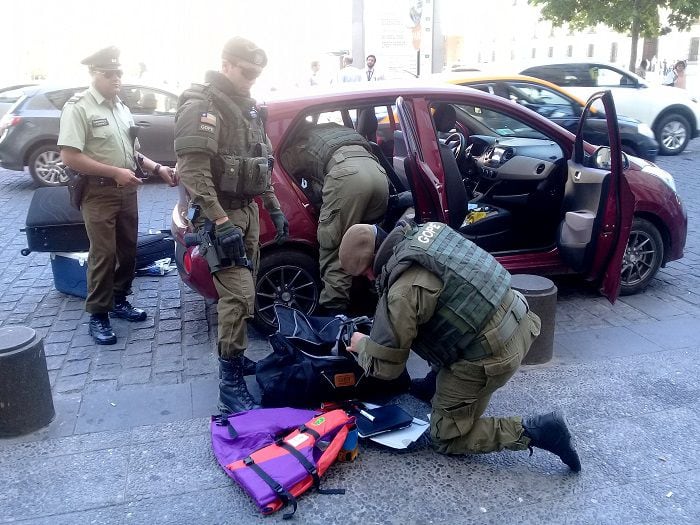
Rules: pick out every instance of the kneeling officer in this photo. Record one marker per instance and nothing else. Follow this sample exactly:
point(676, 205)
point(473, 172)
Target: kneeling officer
point(451, 302)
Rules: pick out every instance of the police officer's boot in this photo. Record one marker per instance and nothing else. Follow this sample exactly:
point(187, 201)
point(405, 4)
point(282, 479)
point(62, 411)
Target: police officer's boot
point(124, 310)
point(248, 366)
point(233, 392)
point(549, 432)
point(101, 330)
point(424, 388)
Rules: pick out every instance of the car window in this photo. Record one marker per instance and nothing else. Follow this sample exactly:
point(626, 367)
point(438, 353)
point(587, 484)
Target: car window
point(145, 101)
point(52, 99)
point(577, 75)
point(485, 121)
point(11, 95)
point(606, 77)
point(543, 100)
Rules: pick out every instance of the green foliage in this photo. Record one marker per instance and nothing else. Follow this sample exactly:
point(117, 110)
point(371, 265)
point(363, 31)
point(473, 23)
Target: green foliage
point(620, 15)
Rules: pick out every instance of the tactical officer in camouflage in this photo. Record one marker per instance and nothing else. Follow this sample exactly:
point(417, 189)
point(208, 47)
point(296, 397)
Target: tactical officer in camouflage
point(354, 190)
point(225, 160)
point(96, 140)
point(451, 302)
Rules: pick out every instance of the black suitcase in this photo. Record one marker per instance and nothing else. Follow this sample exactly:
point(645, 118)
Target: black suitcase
point(53, 225)
point(152, 247)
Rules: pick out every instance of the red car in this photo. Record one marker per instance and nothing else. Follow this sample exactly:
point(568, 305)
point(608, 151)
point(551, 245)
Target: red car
point(536, 196)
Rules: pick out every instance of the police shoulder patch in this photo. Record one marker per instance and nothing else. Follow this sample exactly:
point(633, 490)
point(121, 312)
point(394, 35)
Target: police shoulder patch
point(207, 128)
point(75, 98)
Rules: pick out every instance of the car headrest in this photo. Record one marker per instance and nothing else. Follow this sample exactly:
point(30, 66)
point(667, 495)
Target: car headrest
point(445, 117)
point(367, 123)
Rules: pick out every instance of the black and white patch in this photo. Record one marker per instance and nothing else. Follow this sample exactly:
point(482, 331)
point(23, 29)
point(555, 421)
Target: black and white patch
point(99, 122)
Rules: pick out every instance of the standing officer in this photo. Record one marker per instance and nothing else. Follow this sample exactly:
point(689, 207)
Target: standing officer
point(96, 140)
point(451, 302)
point(225, 160)
point(355, 189)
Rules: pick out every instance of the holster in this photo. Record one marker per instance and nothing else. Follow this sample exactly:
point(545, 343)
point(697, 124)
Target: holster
point(76, 186)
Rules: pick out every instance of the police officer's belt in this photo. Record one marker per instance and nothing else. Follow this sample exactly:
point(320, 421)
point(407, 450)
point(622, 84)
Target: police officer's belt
point(234, 203)
point(101, 181)
point(348, 152)
point(499, 335)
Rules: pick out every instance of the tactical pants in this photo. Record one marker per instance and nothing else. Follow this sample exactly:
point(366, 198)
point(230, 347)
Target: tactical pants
point(355, 191)
point(465, 388)
point(236, 286)
point(111, 216)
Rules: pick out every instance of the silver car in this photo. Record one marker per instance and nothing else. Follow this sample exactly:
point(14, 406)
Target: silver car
point(29, 129)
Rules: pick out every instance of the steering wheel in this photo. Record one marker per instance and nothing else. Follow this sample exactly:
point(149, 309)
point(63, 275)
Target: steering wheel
point(457, 143)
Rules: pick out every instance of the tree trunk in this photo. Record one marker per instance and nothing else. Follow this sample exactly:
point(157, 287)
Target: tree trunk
point(635, 37)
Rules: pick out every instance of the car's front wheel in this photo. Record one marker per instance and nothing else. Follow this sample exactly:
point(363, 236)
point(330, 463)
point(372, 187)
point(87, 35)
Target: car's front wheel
point(643, 256)
point(46, 166)
point(286, 277)
point(673, 134)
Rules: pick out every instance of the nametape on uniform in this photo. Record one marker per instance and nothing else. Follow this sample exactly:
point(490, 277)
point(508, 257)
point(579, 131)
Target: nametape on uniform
point(99, 122)
point(425, 236)
point(207, 128)
point(208, 118)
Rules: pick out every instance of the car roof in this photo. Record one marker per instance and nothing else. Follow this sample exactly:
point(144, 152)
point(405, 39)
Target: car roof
point(582, 63)
point(49, 87)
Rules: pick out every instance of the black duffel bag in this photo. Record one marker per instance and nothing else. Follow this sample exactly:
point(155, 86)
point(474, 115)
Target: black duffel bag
point(310, 364)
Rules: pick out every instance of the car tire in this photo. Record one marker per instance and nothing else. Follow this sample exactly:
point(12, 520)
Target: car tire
point(643, 256)
point(46, 166)
point(288, 277)
point(673, 134)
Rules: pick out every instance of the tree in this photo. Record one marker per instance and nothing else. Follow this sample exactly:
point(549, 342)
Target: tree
point(636, 17)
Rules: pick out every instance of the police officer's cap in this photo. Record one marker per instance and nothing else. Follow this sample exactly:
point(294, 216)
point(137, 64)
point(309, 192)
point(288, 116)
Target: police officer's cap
point(243, 49)
point(106, 59)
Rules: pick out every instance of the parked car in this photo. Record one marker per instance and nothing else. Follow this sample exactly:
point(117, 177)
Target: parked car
point(29, 130)
point(672, 113)
point(554, 203)
point(9, 95)
point(563, 108)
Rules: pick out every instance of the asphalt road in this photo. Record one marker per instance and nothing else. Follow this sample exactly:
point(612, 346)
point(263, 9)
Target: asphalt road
point(130, 441)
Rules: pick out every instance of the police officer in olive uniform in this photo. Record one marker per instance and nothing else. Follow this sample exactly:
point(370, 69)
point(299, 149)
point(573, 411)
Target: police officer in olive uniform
point(96, 140)
point(225, 161)
point(451, 302)
point(355, 189)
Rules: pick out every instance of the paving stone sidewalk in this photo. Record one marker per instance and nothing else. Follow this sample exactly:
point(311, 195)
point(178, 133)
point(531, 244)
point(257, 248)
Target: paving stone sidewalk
point(130, 441)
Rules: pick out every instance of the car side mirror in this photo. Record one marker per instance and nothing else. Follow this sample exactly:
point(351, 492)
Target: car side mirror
point(601, 159)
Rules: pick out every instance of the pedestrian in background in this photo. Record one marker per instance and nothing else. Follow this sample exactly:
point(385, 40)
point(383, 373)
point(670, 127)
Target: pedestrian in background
point(97, 139)
point(679, 74)
point(449, 301)
point(371, 72)
point(348, 72)
point(225, 160)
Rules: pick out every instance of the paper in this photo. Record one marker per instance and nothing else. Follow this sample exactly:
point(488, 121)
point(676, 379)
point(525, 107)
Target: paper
point(402, 438)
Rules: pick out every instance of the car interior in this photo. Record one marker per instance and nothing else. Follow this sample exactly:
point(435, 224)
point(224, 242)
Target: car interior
point(505, 182)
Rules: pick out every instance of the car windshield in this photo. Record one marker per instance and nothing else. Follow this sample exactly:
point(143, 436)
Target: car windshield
point(487, 121)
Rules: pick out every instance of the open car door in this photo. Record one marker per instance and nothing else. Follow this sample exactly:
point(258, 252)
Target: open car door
point(598, 206)
point(428, 189)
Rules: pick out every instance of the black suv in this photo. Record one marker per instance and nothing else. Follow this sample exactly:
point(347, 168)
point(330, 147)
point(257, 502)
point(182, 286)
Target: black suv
point(29, 130)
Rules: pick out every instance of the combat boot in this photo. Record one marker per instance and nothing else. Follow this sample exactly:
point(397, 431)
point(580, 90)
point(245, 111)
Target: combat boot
point(233, 392)
point(549, 432)
point(424, 388)
point(248, 366)
point(101, 330)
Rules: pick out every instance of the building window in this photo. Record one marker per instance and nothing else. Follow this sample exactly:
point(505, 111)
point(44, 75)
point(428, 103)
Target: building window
point(591, 47)
point(493, 55)
point(693, 52)
point(550, 52)
point(534, 52)
point(569, 51)
point(613, 52)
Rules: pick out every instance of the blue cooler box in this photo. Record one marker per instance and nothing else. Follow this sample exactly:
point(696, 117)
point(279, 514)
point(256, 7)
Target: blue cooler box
point(70, 272)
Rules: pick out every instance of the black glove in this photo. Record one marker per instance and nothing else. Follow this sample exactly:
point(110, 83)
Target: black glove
point(281, 225)
point(228, 233)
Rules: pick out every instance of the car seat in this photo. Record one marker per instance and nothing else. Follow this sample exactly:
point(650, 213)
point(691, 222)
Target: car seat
point(149, 103)
point(492, 232)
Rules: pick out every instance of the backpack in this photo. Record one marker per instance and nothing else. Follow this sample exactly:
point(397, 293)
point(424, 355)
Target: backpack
point(310, 363)
point(277, 454)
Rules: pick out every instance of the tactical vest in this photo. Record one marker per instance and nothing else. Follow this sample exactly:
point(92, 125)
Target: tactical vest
point(325, 139)
point(475, 285)
point(242, 166)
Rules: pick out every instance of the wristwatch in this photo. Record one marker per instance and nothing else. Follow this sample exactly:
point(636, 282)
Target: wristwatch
point(156, 169)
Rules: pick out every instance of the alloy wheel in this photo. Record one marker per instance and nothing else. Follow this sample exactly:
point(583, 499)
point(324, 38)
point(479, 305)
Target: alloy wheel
point(673, 135)
point(289, 285)
point(641, 259)
point(50, 168)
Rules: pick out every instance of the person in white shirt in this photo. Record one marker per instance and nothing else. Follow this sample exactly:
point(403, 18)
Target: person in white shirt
point(371, 73)
point(349, 73)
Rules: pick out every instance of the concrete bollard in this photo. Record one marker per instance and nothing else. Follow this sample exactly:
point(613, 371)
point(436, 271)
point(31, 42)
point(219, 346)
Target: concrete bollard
point(26, 404)
point(541, 295)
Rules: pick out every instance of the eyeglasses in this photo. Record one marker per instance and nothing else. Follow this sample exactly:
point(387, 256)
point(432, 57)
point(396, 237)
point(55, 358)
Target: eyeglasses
point(248, 73)
point(111, 73)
